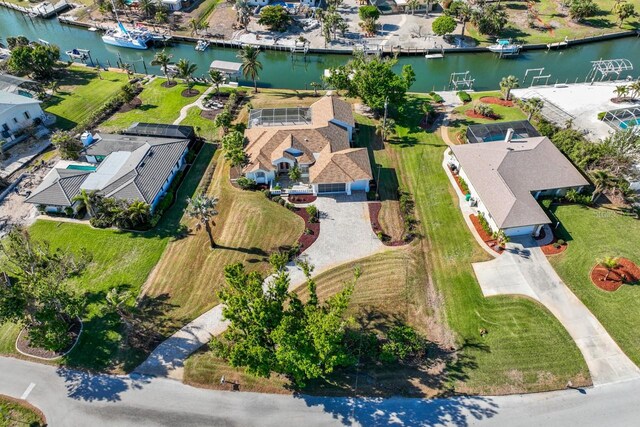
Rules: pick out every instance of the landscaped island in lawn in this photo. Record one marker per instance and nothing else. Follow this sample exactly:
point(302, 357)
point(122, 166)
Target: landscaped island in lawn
point(15, 413)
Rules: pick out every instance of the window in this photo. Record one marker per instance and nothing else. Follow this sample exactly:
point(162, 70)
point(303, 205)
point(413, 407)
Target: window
point(332, 188)
point(26, 115)
point(5, 127)
point(15, 120)
point(259, 174)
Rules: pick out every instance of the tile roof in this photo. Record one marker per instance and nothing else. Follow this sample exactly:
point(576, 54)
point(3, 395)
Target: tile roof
point(506, 174)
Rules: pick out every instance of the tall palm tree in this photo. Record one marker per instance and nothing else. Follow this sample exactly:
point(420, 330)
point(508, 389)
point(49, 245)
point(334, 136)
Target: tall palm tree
point(186, 70)
point(148, 7)
point(203, 209)
point(195, 25)
point(465, 13)
point(127, 68)
point(217, 78)
point(533, 106)
point(601, 180)
point(86, 199)
point(163, 59)
point(386, 129)
point(508, 83)
point(251, 65)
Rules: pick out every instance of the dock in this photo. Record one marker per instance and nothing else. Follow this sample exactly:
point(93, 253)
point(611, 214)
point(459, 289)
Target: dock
point(45, 10)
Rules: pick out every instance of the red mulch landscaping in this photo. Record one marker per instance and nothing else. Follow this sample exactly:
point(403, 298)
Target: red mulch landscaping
point(486, 237)
point(189, 93)
point(550, 249)
point(496, 101)
point(134, 103)
point(307, 240)
point(626, 272)
point(374, 212)
point(169, 83)
point(210, 114)
point(24, 345)
point(457, 179)
point(474, 115)
point(302, 198)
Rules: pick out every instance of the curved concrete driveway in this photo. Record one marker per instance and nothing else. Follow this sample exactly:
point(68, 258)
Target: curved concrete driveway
point(345, 235)
point(525, 270)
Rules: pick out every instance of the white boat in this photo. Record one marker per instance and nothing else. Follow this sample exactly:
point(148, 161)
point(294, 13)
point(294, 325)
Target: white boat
point(132, 39)
point(81, 54)
point(202, 45)
point(505, 47)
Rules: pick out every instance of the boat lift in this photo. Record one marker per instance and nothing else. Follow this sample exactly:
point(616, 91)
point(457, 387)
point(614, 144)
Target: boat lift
point(536, 78)
point(461, 81)
point(606, 67)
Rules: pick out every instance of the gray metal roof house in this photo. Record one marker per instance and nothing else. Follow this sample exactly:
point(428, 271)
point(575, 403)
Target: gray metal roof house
point(118, 166)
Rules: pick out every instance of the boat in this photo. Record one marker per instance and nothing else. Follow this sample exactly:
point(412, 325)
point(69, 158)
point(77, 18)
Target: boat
point(202, 45)
point(505, 47)
point(92, 29)
point(137, 38)
point(80, 54)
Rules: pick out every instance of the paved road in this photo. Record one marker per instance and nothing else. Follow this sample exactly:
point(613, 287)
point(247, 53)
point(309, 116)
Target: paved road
point(72, 398)
point(525, 270)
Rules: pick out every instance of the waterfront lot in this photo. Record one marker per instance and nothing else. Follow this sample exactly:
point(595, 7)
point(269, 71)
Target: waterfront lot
point(594, 234)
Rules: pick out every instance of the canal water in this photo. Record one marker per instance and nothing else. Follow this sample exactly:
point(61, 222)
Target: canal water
point(284, 70)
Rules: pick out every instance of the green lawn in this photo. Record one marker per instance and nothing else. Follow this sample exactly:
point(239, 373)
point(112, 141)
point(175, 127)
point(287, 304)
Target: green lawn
point(593, 234)
point(204, 127)
point(159, 105)
point(14, 413)
point(119, 259)
point(81, 93)
point(526, 348)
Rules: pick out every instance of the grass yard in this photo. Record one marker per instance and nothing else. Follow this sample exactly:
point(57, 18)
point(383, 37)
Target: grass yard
point(120, 259)
point(159, 105)
point(81, 93)
point(204, 127)
point(15, 412)
point(554, 24)
point(594, 234)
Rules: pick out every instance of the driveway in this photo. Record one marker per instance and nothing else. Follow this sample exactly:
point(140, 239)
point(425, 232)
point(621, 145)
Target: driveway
point(345, 235)
point(525, 270)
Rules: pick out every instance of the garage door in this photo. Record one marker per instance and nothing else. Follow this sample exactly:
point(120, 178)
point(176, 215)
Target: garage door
point(332, 188)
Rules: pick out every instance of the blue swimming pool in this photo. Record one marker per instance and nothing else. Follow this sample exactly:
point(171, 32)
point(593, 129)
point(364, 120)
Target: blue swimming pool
point(283, 4)
point(629, 123)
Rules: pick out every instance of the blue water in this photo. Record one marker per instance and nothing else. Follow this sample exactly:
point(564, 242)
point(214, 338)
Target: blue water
point(629, 123)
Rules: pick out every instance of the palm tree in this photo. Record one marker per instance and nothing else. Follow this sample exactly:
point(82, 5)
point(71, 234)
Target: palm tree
point(621, 91)
point(117, 301)
point(203, 209)
point(193, 23)
point(465, 13)
point(385, 129)
point(428, 109)
point(508, 83)
point(251, 65)
point(186, 70)
point(139, 213)
point(86, 199)
point(127, 68)
point(163, 60)
point(315, 86)
point(610, 263)
point(533, 106)
point(295, 174)
point(413, 5)
point(243, 12)
point(601, 180)
point(217, 78)
point(635, 89)
point(148, 7)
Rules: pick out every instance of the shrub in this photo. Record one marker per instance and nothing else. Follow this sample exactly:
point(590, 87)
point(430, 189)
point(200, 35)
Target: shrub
point(313, 213)
point(165, 202)
point(246, 183)
point(601, 115)
point(484, 110)
point(282, 201)
point(464, 96)
point(308, 231)
point(463, 185)
point(267, 193)
point(402, 342)
point(546, 128)
point(561, 242)
point(276, 199)
point(68, 211)
point(484, 223)
point(290, 206)
point(436, 98)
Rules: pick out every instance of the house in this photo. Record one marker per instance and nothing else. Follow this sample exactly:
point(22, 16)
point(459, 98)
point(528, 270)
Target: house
point(19, 85)
point(317, 140)
point(123, 167)
point(17, 112)
point(309, 3)
point(507, 178)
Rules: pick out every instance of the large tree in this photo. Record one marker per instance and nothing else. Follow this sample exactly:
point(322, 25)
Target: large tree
point(443, 25)
point(581, 9)
point(251, 65)
point(36, 59)
point(67, 144)
point(217, 78)
point(275, 18)
point(185, 70)
point(163, 59)
point(203, 209)
point(38, 297)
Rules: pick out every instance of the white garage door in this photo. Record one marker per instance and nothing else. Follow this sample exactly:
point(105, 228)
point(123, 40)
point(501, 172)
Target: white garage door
point(332, 188)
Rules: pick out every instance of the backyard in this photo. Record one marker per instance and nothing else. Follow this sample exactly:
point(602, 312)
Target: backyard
point(592, 235)
point(80, 93)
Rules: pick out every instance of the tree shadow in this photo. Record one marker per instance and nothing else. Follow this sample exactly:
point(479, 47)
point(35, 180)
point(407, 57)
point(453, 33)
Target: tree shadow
point(93, 388)
point(147, 107)
point(250, 251)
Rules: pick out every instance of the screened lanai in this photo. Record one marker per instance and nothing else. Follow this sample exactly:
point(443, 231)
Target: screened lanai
point(489, 132)
point(623, 118)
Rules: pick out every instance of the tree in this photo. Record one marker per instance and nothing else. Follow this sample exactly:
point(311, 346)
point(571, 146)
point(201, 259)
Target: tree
point(370, 11)
point(601, 180)
point(490, 19)
point(217, 78)
point(148, 7)
point(508, 83)
point(232, 140)
point(66, 143)
point(315, 86)
point(413, 5)
point(464, 14)
point(136, 215)
point(251, 65)
point(581, 9)
point(295, 174)
point(386, 129)
point(203, 209)
point(118, 301)
point(163, 60)
point(161, 16)
point(610, 264)
point(624, 11)
point(428, 109)
point(35, 59)
point(275, 18)
point(443, 25)
point(86, 199)
point(533, 106)
point(621, 91)
point(186, 70)
point(194, 24)
point(243, 13)
point(223, 120)
point(38, 297)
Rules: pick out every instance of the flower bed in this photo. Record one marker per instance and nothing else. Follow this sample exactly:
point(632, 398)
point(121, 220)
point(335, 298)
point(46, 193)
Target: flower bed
point(302, 198)
point(133, 104)
point(307, 240)
point(552, 248)
point(626, 272)
point(24, 346)
point(472, 114)
point(486, 237)
point(496, 101)
point(374, 212)
point(189, 93)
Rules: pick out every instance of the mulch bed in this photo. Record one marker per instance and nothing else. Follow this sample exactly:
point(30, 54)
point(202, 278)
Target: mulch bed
point(302, 198)
point(307, 240)
point(486, 237)
point(210, 114)
point(550, 249)
point(24, 345)
point(457, 179)
point(474, 115)
point(496, 101)
point(626, 272)
point(133, 104)
point(374, 212)
point(171, 83)
point(190, 93)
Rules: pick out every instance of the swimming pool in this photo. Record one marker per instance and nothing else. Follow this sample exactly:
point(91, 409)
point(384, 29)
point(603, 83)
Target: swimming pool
point(629, 123)
point(82, 168)
point(283, 4)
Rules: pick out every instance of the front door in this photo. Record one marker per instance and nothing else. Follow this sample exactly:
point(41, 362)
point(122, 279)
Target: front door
point(284, 167)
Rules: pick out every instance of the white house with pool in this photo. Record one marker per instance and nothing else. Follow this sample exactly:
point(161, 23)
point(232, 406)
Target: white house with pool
point(316, 140)
point(124, 167)
point(507, 178)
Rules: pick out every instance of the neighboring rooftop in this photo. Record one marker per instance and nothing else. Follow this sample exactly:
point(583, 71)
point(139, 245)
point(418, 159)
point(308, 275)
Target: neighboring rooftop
point(161, 130)
point(491, 132)
point(13, 84)
point(227, 67)
point(506, 174)
point(10, 100)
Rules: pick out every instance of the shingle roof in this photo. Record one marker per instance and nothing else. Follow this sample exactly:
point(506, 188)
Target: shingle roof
point(342, 166)
point(506, 174)
point(332, 107)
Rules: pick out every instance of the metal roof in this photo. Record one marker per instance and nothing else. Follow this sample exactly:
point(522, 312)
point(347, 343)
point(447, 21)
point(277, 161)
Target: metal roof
point(157, 129)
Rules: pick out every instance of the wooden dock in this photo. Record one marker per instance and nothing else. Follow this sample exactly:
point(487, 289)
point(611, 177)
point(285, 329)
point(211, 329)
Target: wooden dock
point(44, 10)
